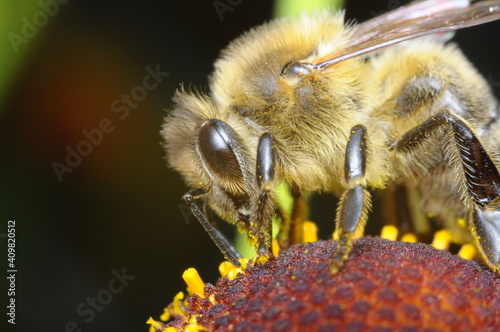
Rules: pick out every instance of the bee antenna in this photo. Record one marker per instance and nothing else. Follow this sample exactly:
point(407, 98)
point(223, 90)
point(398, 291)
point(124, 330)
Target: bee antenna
point(227, 249)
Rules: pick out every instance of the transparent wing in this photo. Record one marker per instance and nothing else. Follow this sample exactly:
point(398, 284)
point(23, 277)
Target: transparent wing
point(419, 9)
point(415, 20)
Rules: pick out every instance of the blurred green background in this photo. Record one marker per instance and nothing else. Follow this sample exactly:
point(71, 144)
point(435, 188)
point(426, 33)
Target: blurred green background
point(119, 207)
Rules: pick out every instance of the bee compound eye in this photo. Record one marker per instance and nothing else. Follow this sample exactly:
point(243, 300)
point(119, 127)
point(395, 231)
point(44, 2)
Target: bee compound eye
point(217, 142)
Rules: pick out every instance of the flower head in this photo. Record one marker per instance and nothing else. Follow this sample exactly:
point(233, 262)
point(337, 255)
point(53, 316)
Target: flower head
point(384, 285)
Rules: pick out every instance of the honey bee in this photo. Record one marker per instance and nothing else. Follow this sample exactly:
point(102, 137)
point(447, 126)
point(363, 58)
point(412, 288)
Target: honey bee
point(326, 106)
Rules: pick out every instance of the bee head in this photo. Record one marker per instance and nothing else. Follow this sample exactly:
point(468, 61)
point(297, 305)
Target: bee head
point(211, 148)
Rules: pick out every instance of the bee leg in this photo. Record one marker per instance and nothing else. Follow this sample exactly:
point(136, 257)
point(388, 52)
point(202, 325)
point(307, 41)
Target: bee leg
point(260, 229)
point(481, 177)
point(284, 234)
point(355, 202)
point(485, 226)
point(227, 249)
point(291, 228)
point(298, 214)
point(401, 210)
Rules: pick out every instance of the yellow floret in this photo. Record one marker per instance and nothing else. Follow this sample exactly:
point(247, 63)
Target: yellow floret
point(275, 247)
point(441, 240)
point(389, 232)
point(468, 251)
point(194, 282)
point(309, 232)
point(409, 237)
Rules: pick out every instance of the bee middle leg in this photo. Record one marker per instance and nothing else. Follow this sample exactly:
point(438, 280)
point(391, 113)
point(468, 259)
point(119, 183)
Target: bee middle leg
point(481, 177)
point(355, 202)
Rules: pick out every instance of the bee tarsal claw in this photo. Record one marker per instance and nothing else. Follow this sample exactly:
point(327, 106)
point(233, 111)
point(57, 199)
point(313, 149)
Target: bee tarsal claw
point(260, 259)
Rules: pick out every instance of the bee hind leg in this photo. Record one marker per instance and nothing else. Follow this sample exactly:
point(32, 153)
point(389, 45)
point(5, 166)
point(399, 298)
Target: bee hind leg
point(481, 177)
point(355, 202)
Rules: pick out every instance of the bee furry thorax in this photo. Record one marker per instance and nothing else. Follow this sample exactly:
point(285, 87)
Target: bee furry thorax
point(287, 102)
point(247, 86)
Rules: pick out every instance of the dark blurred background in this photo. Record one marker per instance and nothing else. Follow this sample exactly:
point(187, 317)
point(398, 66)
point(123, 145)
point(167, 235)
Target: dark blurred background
point(117, 211)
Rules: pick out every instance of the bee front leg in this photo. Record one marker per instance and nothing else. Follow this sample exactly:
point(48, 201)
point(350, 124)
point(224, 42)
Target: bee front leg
point(481, 177)
point(355, 202)
point(260, 229)
point(228, 250)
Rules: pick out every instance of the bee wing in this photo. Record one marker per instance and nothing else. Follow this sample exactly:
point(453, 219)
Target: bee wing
point(415, 10)
point(415, 20)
